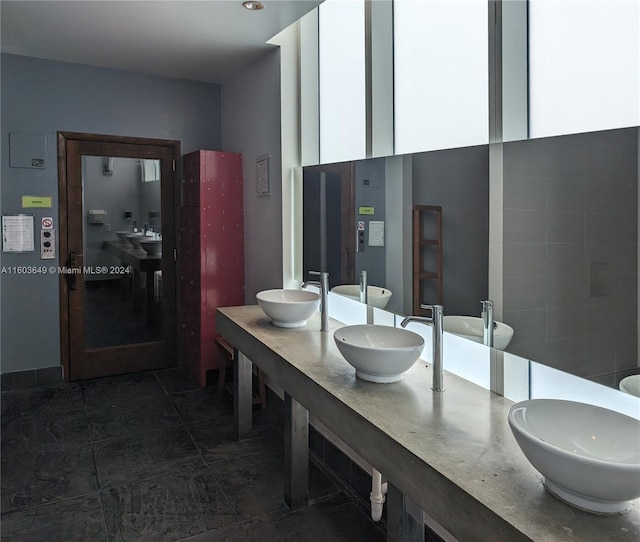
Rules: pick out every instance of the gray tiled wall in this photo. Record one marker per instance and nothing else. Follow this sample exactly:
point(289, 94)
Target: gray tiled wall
point(571, 250)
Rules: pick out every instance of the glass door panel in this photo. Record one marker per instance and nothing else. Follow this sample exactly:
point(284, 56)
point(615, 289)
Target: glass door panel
point(122, 251)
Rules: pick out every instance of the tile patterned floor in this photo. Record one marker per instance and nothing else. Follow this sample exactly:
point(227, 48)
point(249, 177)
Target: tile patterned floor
point(150, 457)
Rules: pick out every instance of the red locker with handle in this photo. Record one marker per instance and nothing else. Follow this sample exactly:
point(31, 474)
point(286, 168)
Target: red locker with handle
point(211, 254)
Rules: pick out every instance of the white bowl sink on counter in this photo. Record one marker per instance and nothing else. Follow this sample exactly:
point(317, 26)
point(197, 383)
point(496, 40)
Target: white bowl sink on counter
point(471, 327)
point(379, 353)
point(589, 456)
point(376, 296)
point(288, 308)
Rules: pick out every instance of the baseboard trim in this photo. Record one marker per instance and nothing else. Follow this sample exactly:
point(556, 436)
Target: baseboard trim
point(31, 378)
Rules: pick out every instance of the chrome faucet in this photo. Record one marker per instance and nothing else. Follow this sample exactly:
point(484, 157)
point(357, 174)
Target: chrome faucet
point(436, 320)
point(488, 324)
point(323, 284)
point(364, 293)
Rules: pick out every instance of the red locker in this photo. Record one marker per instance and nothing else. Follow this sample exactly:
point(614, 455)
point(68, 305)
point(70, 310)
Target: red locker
point(211, 254)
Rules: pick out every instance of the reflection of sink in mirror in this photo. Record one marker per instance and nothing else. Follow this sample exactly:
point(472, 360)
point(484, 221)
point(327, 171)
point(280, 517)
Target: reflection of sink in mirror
point(631, 385)
point(470, 327)
point(376, 296)
point(288, 308)
point(589, 456)
point(466, 266)
point(122, 236)
point(379, 353)
point(134, 239)
point(152, 247)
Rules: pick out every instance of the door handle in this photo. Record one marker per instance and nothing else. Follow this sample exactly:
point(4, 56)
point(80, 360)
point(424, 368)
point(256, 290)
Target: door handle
point(71, 275)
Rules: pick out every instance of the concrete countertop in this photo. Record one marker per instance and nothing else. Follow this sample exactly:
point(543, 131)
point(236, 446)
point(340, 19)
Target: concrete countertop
point(451, 452)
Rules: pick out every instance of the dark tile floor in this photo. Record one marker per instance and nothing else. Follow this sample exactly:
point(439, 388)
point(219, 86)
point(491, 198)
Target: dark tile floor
point(151, 457)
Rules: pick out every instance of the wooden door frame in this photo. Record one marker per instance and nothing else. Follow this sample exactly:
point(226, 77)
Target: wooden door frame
point(63, 139)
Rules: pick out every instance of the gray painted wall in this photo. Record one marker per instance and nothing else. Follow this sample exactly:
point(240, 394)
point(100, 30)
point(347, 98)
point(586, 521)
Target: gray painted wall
point(251, 126)
point(458, 180)
point(44, 97)
point(571, 207)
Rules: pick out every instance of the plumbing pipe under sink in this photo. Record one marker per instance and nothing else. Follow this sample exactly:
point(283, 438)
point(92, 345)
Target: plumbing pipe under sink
point(378, 489)
point(377, 496)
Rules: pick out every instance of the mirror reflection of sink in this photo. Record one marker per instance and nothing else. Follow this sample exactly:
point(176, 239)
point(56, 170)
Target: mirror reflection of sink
point(589, 456)
point(376, 296)
point(288, 308)
point(153, 247)
point(123, 236)
point(134, 239)
point(470, 327)
point(631, 385)
point(379, 353)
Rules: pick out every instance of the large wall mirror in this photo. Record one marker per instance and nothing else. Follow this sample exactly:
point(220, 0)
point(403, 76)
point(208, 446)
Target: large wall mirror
point(548, 225)
point(569, 241)
point(570, 251)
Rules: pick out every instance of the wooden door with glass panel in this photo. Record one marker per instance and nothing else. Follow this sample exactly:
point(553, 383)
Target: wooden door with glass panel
point(118, 304)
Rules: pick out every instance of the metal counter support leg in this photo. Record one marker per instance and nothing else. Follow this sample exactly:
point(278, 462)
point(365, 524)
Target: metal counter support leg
point(242, 396)
point(296, 454)
point(405, 521)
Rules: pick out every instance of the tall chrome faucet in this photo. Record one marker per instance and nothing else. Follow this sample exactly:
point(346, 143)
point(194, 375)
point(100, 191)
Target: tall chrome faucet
point(323, 284)
point(488, 324)
point(364, 297)
point(436, 320)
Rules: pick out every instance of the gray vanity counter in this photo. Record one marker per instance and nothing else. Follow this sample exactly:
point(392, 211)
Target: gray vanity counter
point(452, 452)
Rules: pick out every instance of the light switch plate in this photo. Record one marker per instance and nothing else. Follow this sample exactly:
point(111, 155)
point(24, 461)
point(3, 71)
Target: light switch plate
point(47, 244)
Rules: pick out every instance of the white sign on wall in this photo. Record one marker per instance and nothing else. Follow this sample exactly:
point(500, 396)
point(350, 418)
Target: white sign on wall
point(17, 233)
point(376, 233)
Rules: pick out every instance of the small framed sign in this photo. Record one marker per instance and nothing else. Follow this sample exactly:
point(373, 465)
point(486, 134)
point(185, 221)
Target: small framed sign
point(263, 180)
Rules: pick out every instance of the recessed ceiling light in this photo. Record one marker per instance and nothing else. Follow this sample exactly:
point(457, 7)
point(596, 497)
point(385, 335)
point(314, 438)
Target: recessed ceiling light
point(253, 6)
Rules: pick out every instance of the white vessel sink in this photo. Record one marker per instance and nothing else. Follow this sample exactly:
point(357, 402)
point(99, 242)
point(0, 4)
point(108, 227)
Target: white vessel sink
point(376, 296)
point(379, 353)
point(471, 327)
point(589, 456)
point(288, 308)
point(631, 385)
